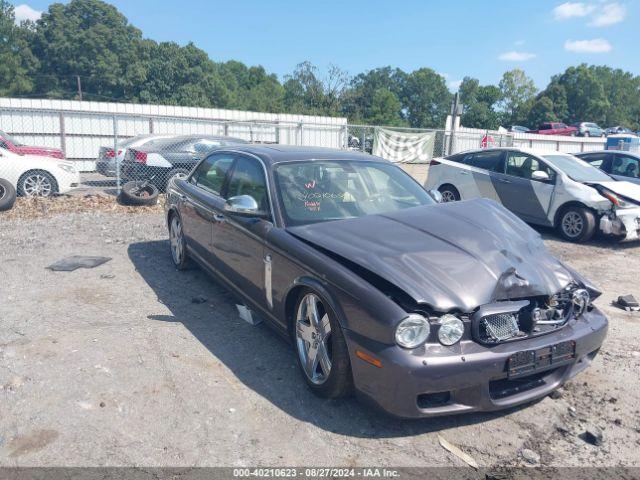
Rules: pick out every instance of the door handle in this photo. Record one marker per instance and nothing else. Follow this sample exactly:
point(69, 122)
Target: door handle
point(219, 217)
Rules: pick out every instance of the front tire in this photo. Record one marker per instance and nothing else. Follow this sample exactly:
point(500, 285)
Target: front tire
point(321, 348)
point(177, 243)
point(577, 224)
point(37, 183)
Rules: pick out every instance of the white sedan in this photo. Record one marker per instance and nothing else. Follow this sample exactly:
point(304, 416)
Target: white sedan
point(37, 176)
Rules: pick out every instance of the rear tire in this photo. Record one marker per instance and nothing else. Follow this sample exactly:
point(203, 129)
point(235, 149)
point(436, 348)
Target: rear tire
point(449, 193)
point(577, 224)
point(7, 195)
point(325, 338)
point(131, 195)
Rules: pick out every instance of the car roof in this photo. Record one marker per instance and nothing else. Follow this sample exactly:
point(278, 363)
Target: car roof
point(633, 154)
point(275, 153)
point(538, 152)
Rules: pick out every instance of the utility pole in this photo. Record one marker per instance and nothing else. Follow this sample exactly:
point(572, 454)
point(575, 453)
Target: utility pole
point(79, 87)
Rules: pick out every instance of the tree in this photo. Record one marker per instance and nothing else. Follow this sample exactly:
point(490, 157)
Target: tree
point(426, 98)
point(516, 90)
point(306, 92)
point(585, 95)
point(17, 62)
point(478, 102)
point(542, 111)
point(385, 109)
point(358, 98)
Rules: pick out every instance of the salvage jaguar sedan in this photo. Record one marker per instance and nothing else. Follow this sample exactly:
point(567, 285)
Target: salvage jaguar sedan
point(423, 308)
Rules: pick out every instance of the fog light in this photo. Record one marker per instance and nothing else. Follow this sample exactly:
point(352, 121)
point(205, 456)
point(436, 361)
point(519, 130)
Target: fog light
point(412, 331)
point(451, 329)
point(580, 299)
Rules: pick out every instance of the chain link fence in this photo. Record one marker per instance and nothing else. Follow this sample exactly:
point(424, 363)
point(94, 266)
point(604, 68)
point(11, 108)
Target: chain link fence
point(46, 152)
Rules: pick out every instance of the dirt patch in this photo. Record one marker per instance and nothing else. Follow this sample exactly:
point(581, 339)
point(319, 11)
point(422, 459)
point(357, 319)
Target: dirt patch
point(31, 442)
point(47, 207)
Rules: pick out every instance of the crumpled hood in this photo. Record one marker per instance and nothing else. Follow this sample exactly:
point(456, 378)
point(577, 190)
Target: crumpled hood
point(622, 188)
point(452, 256)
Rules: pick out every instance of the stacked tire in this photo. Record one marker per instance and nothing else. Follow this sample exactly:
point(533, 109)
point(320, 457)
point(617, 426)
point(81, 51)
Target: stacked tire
point(7, 195)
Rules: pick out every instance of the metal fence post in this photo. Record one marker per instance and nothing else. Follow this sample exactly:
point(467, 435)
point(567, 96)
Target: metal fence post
point(301, 128)
point(151, 126)
point(346, 137)
point(63, 135)
point(115, 150)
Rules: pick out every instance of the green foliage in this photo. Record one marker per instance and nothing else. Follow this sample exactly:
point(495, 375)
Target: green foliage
point(516, 91)
point(426, 98)
point(93, 40)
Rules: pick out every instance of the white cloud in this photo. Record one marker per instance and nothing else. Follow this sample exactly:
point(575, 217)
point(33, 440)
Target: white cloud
point(572, 9)
point(454, 85)
point(514, 56)
point(597, 45)
point(25, 12)
point(610, 14)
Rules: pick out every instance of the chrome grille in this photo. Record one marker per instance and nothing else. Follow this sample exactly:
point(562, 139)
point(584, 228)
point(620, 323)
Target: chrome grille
point(502, 326)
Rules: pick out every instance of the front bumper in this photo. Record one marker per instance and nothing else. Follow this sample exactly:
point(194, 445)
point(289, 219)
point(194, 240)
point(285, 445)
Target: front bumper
point(623, 222)
point(67, 181)
point(467, 377)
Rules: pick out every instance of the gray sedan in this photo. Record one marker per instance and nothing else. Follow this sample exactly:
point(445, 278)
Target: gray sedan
point(421, 308)
point(619, 164)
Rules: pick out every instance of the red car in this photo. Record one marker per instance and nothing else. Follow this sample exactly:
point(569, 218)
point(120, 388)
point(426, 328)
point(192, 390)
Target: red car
point(556, 128)
point(9, 143)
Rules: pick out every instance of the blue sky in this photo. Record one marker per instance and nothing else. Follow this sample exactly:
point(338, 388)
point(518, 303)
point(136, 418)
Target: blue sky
point(456, 38)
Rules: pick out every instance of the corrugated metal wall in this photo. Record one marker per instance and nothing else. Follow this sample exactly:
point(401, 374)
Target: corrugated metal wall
point(81, 128)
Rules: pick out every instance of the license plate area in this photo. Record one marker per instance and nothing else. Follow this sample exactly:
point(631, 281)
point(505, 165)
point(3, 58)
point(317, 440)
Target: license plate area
point(532, 361)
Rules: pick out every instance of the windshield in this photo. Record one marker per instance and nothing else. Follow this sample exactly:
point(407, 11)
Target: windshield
point(578, 169)
point(318, 191)
point(8, 137)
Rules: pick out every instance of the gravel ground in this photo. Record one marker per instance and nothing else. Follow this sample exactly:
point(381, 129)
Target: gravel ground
point(117, 366)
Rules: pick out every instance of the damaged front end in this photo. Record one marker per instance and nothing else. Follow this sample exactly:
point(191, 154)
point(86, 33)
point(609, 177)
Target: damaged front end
point(623, 218)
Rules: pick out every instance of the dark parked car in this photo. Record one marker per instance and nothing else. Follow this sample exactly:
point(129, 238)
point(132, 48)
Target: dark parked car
point(423, 308)
point(589, 129)
point(159, 160)
point(619, 164)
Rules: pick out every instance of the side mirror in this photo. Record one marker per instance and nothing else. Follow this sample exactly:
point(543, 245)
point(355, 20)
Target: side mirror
point(540, 176)
point(436, 195)
point(243, 205)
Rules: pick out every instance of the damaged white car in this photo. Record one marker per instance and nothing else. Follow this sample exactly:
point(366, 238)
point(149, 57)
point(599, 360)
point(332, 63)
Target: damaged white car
point(544, 188)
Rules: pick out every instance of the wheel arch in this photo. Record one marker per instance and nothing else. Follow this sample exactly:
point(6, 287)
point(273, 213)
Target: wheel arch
point(310, 283)
point(572, 203)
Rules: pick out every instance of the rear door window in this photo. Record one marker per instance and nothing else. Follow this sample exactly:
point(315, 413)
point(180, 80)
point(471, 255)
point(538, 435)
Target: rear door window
point(491, 160)
point(212, 172)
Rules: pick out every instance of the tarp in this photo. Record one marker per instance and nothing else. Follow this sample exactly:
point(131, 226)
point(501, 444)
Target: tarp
point(403, 147)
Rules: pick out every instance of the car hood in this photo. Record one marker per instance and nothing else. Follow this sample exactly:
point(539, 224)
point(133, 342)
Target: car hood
point(452, 256)
point(622, 188)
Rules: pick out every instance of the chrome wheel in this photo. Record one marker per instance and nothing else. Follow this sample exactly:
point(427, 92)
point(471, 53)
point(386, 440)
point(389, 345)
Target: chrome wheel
point(37, 185)
point(572, 224)
point(313, 338)
point(448, 196)
point(176, 240)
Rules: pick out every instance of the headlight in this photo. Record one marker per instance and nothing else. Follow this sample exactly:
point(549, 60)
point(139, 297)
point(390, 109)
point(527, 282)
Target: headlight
point(580, 299)
point(412, 331)
point(451, 329)
point(67, 168)
point(613, 198)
